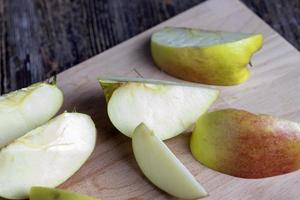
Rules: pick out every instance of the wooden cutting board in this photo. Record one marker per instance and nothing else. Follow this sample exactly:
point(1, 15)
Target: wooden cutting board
point(274, 88)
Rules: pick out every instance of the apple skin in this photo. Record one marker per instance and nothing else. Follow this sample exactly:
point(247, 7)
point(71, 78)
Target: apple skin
point(243, 144)
point(223, 64)
point(109, 88)
point(44, 193)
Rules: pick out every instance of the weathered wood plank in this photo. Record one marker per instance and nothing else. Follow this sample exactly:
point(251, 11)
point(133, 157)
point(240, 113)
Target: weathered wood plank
point(39, 38)
point(2, 47)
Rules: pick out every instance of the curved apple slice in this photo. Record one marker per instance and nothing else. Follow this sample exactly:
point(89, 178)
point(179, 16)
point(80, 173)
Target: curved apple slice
point(244, 144)
point(47, 155)
point(167, 108)
point(162, 167)
point(26, 109)
point(209, 57)
point(43, 193)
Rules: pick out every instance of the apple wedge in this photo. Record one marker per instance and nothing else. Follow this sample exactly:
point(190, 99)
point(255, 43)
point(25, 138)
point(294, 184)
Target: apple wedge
point(47, 155)
point(162, 167)
point(26, 109)
point(247, 145)
point(43, 193)
point(167, 108)
point(209, 57)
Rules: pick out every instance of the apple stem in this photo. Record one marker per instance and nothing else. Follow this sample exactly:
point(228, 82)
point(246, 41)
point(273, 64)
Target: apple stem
point(52, 80)
point(250, 64)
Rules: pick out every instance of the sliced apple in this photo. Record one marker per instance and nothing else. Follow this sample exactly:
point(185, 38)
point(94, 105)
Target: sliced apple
point(43, 193)
point(209, 57)
point(26, 109)
point(167, 108)
point(162, 167)
point(247, 145)
point(47, 155)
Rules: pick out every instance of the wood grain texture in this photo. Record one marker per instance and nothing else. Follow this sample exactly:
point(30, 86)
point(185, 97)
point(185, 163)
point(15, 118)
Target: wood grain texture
point(111, 173)
point(39, 38)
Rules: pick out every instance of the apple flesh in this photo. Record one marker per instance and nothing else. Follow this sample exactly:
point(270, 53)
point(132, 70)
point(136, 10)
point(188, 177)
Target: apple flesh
point(44, 193)
point(26, 109)
point(162, 167)
point(247, 145)
point(167, 108)
point(47, 155)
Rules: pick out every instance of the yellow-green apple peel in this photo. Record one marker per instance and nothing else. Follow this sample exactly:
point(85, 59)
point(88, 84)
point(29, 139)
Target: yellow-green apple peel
point(44, 193)
point(209, 57)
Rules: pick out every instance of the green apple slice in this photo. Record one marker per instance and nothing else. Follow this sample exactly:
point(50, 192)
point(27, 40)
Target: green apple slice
point(162, 167)
point(43, 193)
point(47, 155)
point(209, 57)
point(26, 109)
point(167, 108)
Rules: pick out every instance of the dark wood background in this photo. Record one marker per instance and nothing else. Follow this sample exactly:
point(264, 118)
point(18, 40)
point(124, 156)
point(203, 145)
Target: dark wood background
point(39, 38)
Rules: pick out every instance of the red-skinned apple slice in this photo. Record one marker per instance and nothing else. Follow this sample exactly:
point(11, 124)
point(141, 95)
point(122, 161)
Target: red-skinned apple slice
point(247, 145)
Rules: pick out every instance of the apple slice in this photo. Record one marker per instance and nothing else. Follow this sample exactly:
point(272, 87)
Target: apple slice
point(247, 145)
point(167, 108)
point(209, 57)
point(162, 167)
point(43, 193)
point(26, 109)
point(47, 155)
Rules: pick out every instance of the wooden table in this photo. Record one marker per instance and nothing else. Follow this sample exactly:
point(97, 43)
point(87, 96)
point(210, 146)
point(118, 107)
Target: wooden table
point(39, 38)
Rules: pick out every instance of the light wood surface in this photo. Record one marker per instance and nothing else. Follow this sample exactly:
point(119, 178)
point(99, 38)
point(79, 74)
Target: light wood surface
point(112, 173)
